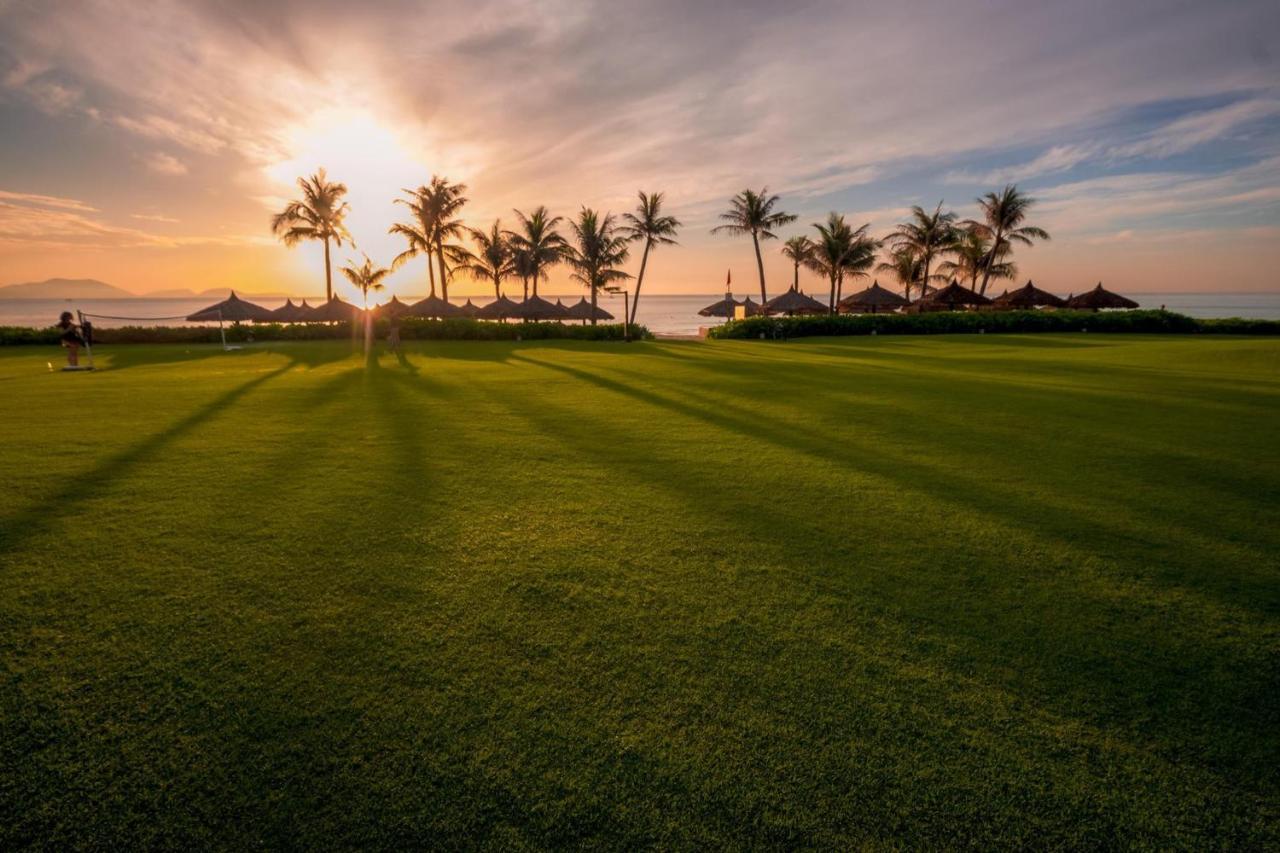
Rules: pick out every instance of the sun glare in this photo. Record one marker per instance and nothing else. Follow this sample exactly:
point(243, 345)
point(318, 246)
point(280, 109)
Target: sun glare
point(375, 164)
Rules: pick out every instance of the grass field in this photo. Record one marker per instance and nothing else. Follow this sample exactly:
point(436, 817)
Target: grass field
point(963, 591)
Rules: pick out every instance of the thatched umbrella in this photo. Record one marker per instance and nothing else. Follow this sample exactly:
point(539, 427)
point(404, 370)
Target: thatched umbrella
point(287, 313)
point(499, 309)
point(581, 310)
point(1098, 298)
point(391, 308)
point(951, 297)
point(873, 300)
point(306, 312)
point(794, 302)
point(537, 308)
point(1029, 296)
point(562, 313)
point(434, 306)
point(232, 309)
point(724, 308)
point(335, 311)
point(468, 309)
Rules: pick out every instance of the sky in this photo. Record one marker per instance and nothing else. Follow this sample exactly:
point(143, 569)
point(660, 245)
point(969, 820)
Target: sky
point(147, 144)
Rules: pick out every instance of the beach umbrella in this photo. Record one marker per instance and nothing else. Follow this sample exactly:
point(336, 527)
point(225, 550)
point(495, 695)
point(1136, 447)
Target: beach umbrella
point(537, 308)
point(1029, 296)
point(334, 311)
point(1099, 298)
point(951, 297)
point(232, 309)
point(794, 302)
point(724, 308)
point(434, 306)
point(873, 300)
point(305, 312)
point(287, 313)
point(562, 313)
point(753, 308)
point(581, 310)
point(391, 308)
point(498, 309)
point(468, 309)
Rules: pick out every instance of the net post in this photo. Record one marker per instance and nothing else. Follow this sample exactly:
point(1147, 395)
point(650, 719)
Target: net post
point(88, 345)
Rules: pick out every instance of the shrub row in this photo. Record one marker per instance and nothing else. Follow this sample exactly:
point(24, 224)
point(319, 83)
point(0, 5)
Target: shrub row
point(458, 329)
point(953, 322)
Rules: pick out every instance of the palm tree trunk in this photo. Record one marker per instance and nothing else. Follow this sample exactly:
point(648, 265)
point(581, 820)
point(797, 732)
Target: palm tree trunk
point(831, 300)
point(535, 272)
point(593, 304)
point(924, 276)
point(497, 286)
point(328, 273)
point(444, 273)
point(760, 266)
point(526, 287)
point(839, 292)
point(991, 259)
point(635, 302)
point(795, 278)
point(431, 274)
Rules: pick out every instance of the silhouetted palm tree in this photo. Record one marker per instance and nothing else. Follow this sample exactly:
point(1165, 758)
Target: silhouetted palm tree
point(435, 208)
point(972, 251)
point(318, 216)
point(752, 213)
point(905, 266)
point(492, 260)
point(841, 251)
point(600, 250)
point(366, 277)
point(925, 235)
point(1004, 215)
point(648, 224)
point(538, 244)
point(799, 250)
point(521, 263)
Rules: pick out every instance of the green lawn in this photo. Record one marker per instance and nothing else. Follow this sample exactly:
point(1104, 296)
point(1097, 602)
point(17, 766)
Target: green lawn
point(920, 592)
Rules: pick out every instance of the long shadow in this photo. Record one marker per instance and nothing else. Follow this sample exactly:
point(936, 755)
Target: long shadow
point(112, 357)
point(1239, 696)
point(21, 527)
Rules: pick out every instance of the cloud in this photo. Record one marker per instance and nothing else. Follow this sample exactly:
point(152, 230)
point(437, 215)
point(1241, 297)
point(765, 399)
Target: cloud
point(1059, 158)
point(152, 217)
point(1185, 133)
point(46, 201)
point(165, 164)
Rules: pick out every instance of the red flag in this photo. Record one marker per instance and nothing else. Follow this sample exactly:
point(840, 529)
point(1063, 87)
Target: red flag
point(728, 278)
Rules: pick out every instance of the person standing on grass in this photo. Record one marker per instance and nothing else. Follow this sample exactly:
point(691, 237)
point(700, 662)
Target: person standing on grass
point(71, 338)
point(393, 335)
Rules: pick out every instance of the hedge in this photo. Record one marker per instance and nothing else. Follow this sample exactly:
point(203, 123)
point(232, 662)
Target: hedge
point(974, 322)
point(459, 329)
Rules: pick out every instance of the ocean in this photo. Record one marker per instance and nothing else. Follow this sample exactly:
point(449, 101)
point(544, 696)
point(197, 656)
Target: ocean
point(663, 314)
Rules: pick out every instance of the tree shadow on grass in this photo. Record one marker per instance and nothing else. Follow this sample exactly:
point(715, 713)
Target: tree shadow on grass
point(1239, 703)
point(22, 526)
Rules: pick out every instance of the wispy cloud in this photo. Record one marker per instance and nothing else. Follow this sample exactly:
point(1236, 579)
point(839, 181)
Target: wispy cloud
point(1186, 133)
point(153, 217)
point(164, 164)
point(46, 201)
point(1059, 158)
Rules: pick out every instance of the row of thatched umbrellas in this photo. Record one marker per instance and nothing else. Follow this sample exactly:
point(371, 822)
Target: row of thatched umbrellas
point(535, 308)
point(955, 296)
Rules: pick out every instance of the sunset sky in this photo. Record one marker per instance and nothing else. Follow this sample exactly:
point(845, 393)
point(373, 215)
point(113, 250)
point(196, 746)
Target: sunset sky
point(146, 144)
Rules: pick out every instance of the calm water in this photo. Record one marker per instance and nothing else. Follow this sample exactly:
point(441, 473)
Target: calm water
point(664, 315)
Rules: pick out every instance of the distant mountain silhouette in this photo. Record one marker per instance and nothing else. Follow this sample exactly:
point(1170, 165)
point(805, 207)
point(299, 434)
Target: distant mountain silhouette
point(64, 288)
point(210, 293)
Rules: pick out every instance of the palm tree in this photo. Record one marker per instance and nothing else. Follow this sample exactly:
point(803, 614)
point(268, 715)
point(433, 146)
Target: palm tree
point(800, 251)
point(649, 225)
point(538, 244)
point(1004, 214)
point(925, 235)
point(492, 261)
point(841, 251)
point(972, 251)
point(521, 263)
point(752, 213)
point(905, 266)
point(435, 222)
point(366, 277)
point(600, 250)
point(318, 216)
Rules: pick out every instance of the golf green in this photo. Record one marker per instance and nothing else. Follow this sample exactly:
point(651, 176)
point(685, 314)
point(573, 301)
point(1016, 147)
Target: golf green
point(980, 591)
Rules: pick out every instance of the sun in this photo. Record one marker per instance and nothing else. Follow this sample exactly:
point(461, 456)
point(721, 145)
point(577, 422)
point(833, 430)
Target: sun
point(375, 163)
